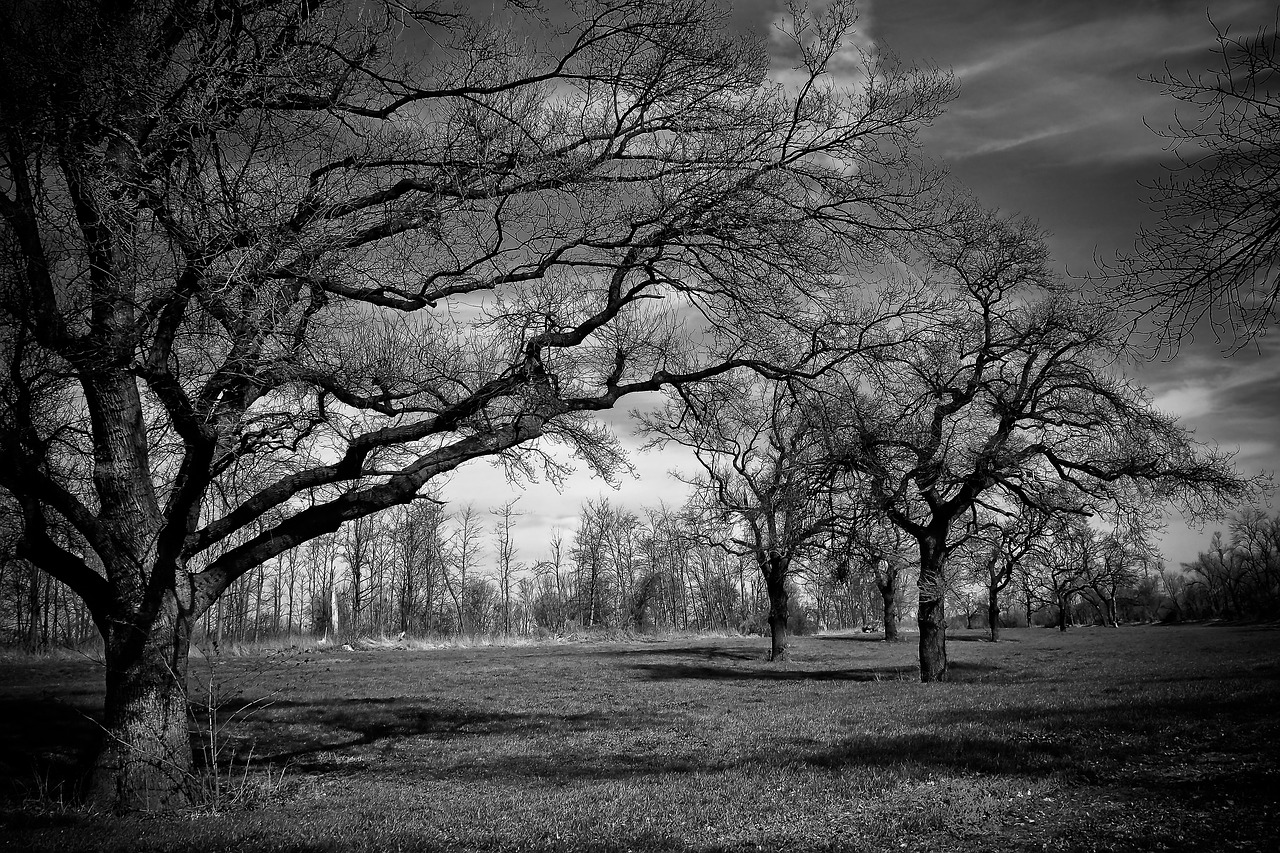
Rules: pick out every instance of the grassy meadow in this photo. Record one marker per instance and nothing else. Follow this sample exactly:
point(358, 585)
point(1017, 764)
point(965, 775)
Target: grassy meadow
point(1141, 738)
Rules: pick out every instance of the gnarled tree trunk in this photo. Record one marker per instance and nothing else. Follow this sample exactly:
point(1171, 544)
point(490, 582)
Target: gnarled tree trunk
point(145, 759)
point(932, 615)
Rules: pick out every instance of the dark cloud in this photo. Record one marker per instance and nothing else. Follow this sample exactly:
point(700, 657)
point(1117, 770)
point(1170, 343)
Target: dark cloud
point(1255, 398)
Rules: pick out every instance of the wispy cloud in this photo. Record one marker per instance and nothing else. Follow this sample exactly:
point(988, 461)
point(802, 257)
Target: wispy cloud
point(1066, 76)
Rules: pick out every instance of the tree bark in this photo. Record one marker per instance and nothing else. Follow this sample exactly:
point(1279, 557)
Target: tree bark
point(993, 613)
point(887, 583)
point(774, 569)
point(891, 634)
point(145, 761)
point(932, 614)
point(933, 639)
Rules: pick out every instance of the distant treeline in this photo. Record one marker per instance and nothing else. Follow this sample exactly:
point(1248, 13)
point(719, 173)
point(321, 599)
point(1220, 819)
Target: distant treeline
point(430, 573)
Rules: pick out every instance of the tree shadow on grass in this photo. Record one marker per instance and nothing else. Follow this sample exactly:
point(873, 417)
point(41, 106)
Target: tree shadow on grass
point(597, 746)
point(353, 724)
point(426, 740)
point(976, 753)
point(43, 746)
point(706, 651)
point(772, 672)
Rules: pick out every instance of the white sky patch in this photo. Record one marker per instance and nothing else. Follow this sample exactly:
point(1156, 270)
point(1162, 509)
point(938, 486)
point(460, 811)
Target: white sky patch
point(1198, 375)
point(545, 508)
point(1188, 401)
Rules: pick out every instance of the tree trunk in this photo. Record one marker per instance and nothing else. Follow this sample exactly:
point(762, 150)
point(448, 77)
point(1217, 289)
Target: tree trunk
point(145, 759)
point(1062, 615)
point(774, 569)
point(932, 614)
point(993, 613)
point(333, 608)
point(887, 583)
point(890, 615)
point(33, 608)
point(933, 639)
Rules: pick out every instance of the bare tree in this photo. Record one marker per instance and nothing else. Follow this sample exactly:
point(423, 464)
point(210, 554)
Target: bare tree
point(1006, 543)
point(420, 551)
point(1239, 577)
point(1114, 578)
point(555, 589)
point(464, 556)
point(1062, 571)
point(357, 546)
point(506, 551)
point(873, 544)
point(763, 473)
point(1255, 536)
point(1010, 398)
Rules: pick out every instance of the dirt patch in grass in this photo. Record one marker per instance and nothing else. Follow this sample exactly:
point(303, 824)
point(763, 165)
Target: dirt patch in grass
point(1131, 739)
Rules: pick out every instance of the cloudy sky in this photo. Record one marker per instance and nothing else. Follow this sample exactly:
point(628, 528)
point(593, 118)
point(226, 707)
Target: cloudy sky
point(1050, 124)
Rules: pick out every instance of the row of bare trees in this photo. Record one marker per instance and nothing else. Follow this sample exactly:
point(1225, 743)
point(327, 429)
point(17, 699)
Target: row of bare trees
point(424, 573)
point(973, 401)
point(419, 571)
point(1039, 569)
point(1239, 578)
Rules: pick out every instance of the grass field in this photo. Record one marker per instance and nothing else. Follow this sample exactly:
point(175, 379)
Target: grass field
point(1150, 738)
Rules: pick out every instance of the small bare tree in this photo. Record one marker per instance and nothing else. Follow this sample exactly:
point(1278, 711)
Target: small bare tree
point(505, 552)
point(763, 476)
point(1005, 542)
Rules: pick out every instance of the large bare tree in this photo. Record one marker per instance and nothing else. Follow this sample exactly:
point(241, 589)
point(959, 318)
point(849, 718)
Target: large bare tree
point(307, 256)
point(1012, 398)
